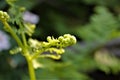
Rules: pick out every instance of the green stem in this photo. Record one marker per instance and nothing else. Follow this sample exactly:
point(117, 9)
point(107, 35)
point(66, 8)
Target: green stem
point(24, 39)
point(24, 50)
point(31, 68)
point(27, 56)
point(23, 34)
point(13, 34)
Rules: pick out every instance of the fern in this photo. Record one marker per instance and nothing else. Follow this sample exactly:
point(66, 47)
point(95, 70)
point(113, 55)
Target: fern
point(101, 26)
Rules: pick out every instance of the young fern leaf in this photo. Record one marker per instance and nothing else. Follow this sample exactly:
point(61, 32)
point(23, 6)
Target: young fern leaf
point(53, 46)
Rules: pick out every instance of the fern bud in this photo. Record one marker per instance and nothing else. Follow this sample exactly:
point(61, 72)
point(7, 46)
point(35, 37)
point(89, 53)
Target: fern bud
point(62, 41)
point(29, 28)
point(4, 16)
point(49, 39)
point(60, 38)
point(73, 40)
point(67, 40)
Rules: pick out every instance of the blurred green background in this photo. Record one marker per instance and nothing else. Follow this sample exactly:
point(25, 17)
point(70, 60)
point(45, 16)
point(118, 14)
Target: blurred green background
point(96, 25)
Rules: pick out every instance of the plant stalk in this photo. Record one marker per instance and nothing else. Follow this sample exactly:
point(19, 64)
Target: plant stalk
point(31, 68)
point(13, 34)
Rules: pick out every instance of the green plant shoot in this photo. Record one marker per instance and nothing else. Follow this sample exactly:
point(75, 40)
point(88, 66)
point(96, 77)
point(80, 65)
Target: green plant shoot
point(32, 49)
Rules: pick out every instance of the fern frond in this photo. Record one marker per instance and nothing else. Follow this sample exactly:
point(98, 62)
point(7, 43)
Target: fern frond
point(101, 26)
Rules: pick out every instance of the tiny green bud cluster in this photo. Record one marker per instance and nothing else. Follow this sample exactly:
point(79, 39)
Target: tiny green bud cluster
point(54, 46)
point(62, 41)
point(67, 40)
point(4, 16)
point(29, 28)
point(15, 50)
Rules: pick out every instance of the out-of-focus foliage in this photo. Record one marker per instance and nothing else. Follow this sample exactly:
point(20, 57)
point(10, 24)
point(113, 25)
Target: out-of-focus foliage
point(101, 26)
point(94, 22)
point(97, 33)
point(110, 3)
point(107, 62)
point(58, 71)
